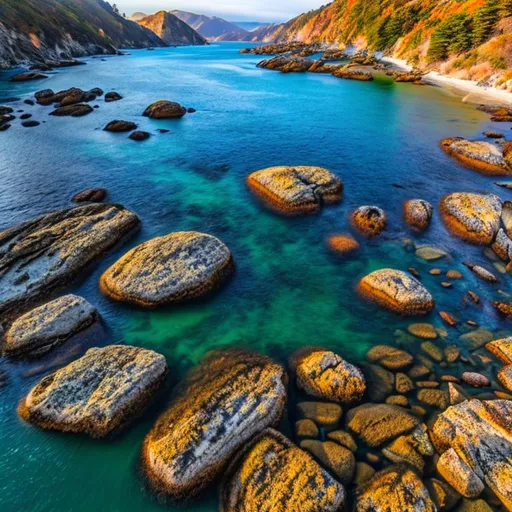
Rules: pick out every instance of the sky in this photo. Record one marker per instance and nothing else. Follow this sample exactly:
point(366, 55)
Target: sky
point(232, 10)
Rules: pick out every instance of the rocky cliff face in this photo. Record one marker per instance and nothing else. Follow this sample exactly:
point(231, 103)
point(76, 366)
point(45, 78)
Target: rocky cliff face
point(171, 29)
point(39, 30)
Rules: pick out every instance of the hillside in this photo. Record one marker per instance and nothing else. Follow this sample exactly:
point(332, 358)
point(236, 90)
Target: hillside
point(172, 30)
point(464, 38)
point(38, 30)
point(213, 28)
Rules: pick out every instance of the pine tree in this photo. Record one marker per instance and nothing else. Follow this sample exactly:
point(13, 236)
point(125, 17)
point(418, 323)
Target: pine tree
point(454, 35)
point(484, 21)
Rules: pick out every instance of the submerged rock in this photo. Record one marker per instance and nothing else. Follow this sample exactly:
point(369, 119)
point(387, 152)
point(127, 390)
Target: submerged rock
point(296, 190)
point(39, 330)
point(27, 77)
point(369, 220)
point(165, 110)
point(418, 213)
point(120, 126)
point(324, 374)
point(174, 268)
point(139, 136)
point(343, 244)
point(397, 291)
point(76, 110)
point(97, 393)
point(92, 195)
point(275, 475)
point(226, 400)
point(390, 357)
point(112, 96)
point(473, 217)
point(482, 273)
point(50, 251)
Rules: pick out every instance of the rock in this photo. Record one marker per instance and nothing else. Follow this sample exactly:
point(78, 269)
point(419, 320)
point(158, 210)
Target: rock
point(25, 116)
point(288, 64)
point(478, 155)
point(97, 393)
point(481, 272)
point(224, 402)
point(500, 114)
point(494, 135)
point(39, 330)
point(380, 382)
point(504, 308)
point(400, 400)
point(77, 110)
point(369, 220)
point(30, 124)
point(476, 380)
point(477, 339)
point(435, 271)
point(363, 473)
point(434, 397)
point(324, 414)
point(191, 110)
point(424, 331)
point(92, 195)
point(120, 126)
point(418, 371)
point(433, 351)
point(344, 439)
point(418, 213)
point(262, 477)
point(396, 488)
point(403, 383)
point(505, 377)
point(502, 246)
point(174, 268)
point(474, 506)
point(454, 274)
point(324, 374)
point(502, 349)
point(448, 318)
point(306, 428)
point(430, 384)
point(474, 439)
point(474, 218)
point(28, 76)
point(428, 253)
point(451, 353)
point(296, 190)
point(504, 184)
point(444, 496)
point(165, 110)
point(112, 96)
point(377, 424)
point(353, 74)
point(96, 91)
point(339, 461)
point(139, 136)
point(5, 110)
point(390, 357)
point(343, 244)
point(403, 450)
point(4, 127)
point(50, 251)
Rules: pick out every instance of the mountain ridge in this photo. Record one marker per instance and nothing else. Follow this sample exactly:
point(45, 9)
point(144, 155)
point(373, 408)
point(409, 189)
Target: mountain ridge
point(172, 30)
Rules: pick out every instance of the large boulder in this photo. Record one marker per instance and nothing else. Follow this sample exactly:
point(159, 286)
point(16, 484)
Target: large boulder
point(91, 195)
point(369, 220)
point(98, 393)
point(478, 155)
point(39, 330)
point(50, 251)
point(391, 358)
point(418, 213)
point(28, 76)
point(118, 126)
point(275, 475)
point(396, 488)
point(474, 218)
point(174, 268)
point(226, 400)
point(502, 349)
point(324, 374)
point(296, 190)
point(287, 64)
point(165, 110)
point(397, 291)
point(75, 110)
point(474, 439)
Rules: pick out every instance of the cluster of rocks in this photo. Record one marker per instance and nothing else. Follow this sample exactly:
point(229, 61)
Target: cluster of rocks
point(498, 114)
point(413, 77)
point(278, 48)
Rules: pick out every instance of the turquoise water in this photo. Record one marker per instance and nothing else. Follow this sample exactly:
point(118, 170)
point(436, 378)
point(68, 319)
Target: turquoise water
point(381, 138)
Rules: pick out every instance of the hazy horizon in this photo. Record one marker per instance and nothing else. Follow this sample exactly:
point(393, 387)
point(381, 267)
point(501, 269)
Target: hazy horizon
point(232, 10)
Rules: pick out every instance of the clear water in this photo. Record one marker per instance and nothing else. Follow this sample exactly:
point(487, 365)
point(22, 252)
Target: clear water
point(381, 138)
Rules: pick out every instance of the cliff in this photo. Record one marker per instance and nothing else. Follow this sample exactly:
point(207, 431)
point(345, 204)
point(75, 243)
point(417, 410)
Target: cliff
point(172, 30)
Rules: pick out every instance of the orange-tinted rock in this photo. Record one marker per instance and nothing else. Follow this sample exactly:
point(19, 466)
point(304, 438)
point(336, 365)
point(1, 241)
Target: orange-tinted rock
point(505, 377)
point(390, 357)
point(343, 244)
point(502, 349)
point(165, 110)
point(418, 213)
point(369, 220)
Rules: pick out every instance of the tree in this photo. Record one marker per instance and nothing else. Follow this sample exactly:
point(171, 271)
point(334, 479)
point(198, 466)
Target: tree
point(454, 35)
point(115, 8)
point(485, 19)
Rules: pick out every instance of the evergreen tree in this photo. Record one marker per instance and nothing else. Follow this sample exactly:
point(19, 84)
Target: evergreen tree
point(484, 21)
point(506, 8)
point(454, 35)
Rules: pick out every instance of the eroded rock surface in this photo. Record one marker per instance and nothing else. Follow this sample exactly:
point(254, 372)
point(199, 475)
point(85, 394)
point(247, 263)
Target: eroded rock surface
point(418, 213)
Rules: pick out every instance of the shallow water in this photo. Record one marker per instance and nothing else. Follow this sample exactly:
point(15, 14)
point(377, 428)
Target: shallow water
point(381, 138)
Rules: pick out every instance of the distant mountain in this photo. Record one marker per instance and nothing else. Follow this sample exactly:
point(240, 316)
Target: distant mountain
point(172, 30)
point(213, 28)
point(137, 16)
point(266, 33)
point(39, 30)
point(248, 25)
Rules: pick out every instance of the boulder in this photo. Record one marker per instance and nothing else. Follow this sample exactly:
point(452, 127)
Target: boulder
point(50, 251)
point(288, 64)
point(396, 488)
point(306, 428)
point(98, 393)
point(444, 496)
point(380, 382)
point(76, 110)
point(139, 136)
point(475, 218)
point(28, 76)
point(475, 380)
point(502, 246)
point(344, 439)
point(296, 190)
point(390, 357)
point(502, 349)
point(4, 127)
point(273, 474)
point(5, 110)
point(474, 439)
point(343, 244)
point(165, 110)
point(112, 96)
point(397, 291)
point(353, 74)
point(39, 330)
point(30, 124)
point(505, 377)
point(480, 156)
point(324, 374)
point(482, 273)
point(91, 195)
point(418, 213)
point(324, 414)
point(503, 308)
point(169, 269)
point(369, 220)
point(434, 398)
point(224, 402)
point(429, 253)
point(120, 126)
point(423, 331)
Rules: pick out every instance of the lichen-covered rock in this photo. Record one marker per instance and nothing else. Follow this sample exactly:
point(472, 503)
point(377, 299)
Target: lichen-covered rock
point(410, 449)
point(174, 268)
point(306, 428)
point(418, 213)
point(226, 400)
point(502, 349)
point(50, 251)
point(396, 488)
point(502, 246)
point(443, 495)
point(343, 438)
point(423, 330)
point(324, 374)
point(377, 424)
point(39, 330)
point(390, 357)
point(296, 190)
point(476, 380)
point(478, 155)
point(91, 195)
point(434, 397)
point(380, 382)
point(326, 415)
point(397, 291)
point(474, 218)
point(369, 220)
point(165, 110)
point(505, 377)
point(97, 393)
point(118, 126)
point(343, 244)
point(474, 439)
point(275, 475)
